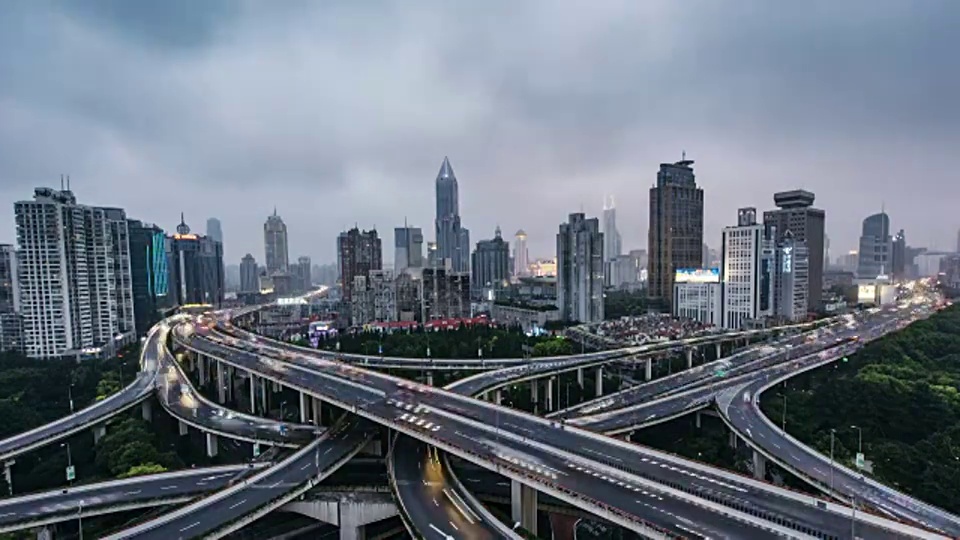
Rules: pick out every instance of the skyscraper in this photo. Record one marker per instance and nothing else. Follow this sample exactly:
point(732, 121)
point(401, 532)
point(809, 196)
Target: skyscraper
point(580, 269)
point(491, 265)
point(275, 244)
point(249, 278)
point(876, 247)
point(149, 273)
point(358, 252)
point(196, 268)
point(675, 236)
point(746, 272)
point(611, 241)
point(66, 265)
point(453, 241)
point(795, 214)
point(116, 220)
point(302, 273)
point(791, 278)
point(521, 257)
point(214, 230)
point(407, 248)
point(898, 256)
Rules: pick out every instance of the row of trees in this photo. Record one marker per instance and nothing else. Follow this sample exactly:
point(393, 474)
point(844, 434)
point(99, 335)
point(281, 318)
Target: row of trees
point(903, 392)
point(464, 342)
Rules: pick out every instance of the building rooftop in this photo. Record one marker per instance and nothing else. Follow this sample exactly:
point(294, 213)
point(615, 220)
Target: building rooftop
point(797, 198)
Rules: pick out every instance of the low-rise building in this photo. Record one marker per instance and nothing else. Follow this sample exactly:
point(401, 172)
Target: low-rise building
point(527, 316)
point(696, 295)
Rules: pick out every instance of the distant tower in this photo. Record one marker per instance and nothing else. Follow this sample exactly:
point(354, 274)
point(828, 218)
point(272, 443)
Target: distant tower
point(215, 230)
point(521, 257)
point(453, 241)
point(275, 245)
point(675, 235)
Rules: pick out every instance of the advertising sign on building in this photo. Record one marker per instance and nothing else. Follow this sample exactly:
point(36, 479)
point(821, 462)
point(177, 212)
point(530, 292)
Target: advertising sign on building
point(697, 275)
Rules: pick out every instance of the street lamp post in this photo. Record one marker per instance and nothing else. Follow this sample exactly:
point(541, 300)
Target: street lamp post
point(69, 457)
point(80, 517)
point(783, 421)
point(70, 396)
point(283, 404)
point(859, 438)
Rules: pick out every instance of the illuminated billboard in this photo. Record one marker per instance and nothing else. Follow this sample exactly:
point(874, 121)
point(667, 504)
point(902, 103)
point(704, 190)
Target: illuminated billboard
point(867, 294)
point(157, 265)
point(697, 275)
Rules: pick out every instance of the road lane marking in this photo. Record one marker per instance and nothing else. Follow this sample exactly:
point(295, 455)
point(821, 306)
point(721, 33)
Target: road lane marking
point(132, 492)
point(237, 504)
point(168, 487)
point(188, 527)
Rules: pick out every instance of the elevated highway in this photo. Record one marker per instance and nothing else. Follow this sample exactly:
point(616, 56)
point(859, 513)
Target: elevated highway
point(520, 434)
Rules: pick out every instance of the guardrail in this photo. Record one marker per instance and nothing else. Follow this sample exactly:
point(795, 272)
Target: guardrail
point(477, 506)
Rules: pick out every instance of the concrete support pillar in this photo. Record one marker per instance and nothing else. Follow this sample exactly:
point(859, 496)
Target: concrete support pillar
point(430, 378)
point(221, 383)
point(759, 465)
point(304, 408)
point(264, 402)
point(549, 394)
point(523, 506)
point(146, 410)
point(317, 404)
point(212, 446)
point(8, 475)
point(253, 394)
point(275, 386)
point(535, 394)
point(648, 369)
point(230, 377)
point(202, 369)
point(599, 381)
point(498, 396)
point(183, 428)
point(698, 419)
point(45, 533)
point(98, 432)
point(580, 377)
point(352, 533)
point(719, 351)
point(733, 440)
point(689, 358)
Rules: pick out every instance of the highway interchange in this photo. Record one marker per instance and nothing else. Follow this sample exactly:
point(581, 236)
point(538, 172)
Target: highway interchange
point(661, 492)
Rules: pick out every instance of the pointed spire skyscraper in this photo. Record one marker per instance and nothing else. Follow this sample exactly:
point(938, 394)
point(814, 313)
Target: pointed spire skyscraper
point(453, 241)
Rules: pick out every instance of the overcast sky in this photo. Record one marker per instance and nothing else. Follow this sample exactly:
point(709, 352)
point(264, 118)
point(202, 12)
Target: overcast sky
point(341, 112)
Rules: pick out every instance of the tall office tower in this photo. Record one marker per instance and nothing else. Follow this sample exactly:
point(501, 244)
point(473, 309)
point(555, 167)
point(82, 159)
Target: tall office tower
point(148, 273)
point(302, 273)
point(675, 236)
point(357, 254)
point(453, 242)
point(249, 275)
point(898, 256)
point(791, 278)
point(611, 241)
point(521, 257)
point(196, 268)
point(876, 247)
point(275, 244)
point(214, 230)
point(407, 248)
point(958, 241)
point(123, 286)
point(66, 271)
point(805, 224)
point(491, 267)
point(746, 271)
point(580, 269)
point(11, 325)
point(826, 252)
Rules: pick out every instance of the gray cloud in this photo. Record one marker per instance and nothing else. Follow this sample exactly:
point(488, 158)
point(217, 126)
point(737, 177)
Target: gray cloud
point(340, 113)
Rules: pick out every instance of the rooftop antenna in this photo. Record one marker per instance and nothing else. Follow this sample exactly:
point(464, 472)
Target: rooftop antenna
point(683, 155)
point(61, 182)
point(68, 182)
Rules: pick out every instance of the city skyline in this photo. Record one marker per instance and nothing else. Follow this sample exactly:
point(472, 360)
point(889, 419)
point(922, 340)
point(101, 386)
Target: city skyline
point(854, 144)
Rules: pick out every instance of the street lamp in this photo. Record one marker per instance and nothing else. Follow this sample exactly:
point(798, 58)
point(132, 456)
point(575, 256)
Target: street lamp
point(283, 404)
point(859, 438)
point(80, 517)
point(70, 396)
point(69, 457)
point(783, 420)
point(833, 434)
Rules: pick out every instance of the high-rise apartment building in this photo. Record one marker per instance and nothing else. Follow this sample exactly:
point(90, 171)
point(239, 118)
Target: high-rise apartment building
point(148, 272)
point(302, 273)
point(275, 244)
point(796, 215)
point(444, 294)
point(11, 325)
point(249, 274)
point(453, 240)
point(196, 268)
point(407, 248)
point(491, 266)
point(580, 269)
point(374, 298)
point(675, 236)
point(67, 262)
point(746, 272)
point(876, 247)
point(521, 256)
point(214, 230)
point(358, 253)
